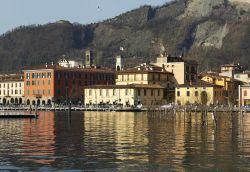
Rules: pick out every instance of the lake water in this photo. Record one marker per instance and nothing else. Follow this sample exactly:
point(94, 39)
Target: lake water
point(112, 141)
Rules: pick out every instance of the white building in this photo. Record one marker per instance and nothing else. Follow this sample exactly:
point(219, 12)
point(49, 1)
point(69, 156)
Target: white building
point(70, 63)
point(11, 89)
point(244, 77)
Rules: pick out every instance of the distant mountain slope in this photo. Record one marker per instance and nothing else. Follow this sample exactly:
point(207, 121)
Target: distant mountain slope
point(212, 32)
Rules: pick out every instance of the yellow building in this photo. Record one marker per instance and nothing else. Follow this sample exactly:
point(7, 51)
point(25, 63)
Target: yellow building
point(199, 93)
point(126, 95)
point(146, 74)
point(230, 85)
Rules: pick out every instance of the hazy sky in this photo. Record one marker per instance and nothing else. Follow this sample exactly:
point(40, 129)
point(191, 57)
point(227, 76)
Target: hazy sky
point(14, 13)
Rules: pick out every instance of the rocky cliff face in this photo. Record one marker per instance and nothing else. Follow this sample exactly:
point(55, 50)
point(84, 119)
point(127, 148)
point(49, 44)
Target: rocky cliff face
point(210, 31)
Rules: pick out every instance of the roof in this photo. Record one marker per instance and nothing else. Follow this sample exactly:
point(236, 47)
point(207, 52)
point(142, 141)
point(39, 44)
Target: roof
point(218, 76)
point(145, 68)
point(61, 68)
point(199, 83)
point(152, 86)
point(11, 77)
point(229, 65)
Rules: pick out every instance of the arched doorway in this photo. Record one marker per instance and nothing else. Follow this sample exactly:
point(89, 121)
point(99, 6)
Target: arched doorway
point(4, 101)
point(38, 101)
point(16, 100)
point(20, 101)
point(49, 102)
point(12, 101)
point(43, 102)
point(28, 102)
point(33, 102)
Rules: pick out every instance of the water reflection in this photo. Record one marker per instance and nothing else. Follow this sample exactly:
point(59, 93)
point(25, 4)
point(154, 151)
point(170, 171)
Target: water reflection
point(125, 141)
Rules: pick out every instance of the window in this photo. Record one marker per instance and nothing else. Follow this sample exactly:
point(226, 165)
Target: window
point(43, 82)
point(33, 82)
point(38, 91)
point(27, 83)
point(196, 93)
point(178, 93)
point(49, 74)
point(33, 92)
point(100, 92)
point(33, 75)
point(126, 91)
point(188, 93)
point(48, 82)
point(28, 75)
point(245, 92)
point(48, 92)
point(38, 82)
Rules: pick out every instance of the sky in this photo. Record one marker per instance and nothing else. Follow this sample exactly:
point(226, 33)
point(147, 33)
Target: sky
point(14, 13)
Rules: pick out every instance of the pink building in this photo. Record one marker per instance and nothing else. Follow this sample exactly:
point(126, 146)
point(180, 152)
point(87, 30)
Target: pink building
point(244, 95)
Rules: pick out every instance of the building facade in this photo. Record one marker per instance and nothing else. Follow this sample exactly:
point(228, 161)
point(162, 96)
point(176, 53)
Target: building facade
point(125, 95)
point(230, 69)
point(199, 93)
point(148, 74)
point(244, 95)
point(230, 85)
point(57, 84)
point(11, 89)
point(185, 71)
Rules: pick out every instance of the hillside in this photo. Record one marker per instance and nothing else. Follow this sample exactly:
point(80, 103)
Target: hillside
point(212, 32)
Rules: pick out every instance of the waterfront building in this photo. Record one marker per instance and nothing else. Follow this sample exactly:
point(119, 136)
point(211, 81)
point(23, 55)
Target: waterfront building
point(125, 95)
point(185, 71)
point(11, 89)
point(145, 84)
point(230, 85)
point(199, 93)
point(54, 83)
point(230, 69)
point(244, 95)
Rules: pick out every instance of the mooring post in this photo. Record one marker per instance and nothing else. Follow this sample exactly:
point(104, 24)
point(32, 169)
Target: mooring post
point(69, 109)
point(36, 111)
point(190, 115)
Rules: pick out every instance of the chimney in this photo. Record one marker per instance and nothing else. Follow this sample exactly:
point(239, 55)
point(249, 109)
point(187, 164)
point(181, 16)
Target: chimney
point(46, 65)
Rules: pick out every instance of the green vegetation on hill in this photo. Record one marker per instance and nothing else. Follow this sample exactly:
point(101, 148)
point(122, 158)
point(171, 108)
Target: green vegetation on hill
point(212, 33)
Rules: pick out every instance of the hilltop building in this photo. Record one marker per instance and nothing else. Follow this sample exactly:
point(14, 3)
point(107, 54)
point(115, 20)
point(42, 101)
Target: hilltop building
point(11, 89)
point(70, 63)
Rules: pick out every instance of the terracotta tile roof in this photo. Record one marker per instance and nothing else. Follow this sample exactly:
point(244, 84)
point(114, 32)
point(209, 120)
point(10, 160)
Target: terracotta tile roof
point(145, 68)
point(60, 68)
point(199, 83)
point(11, 77)
point(125, 86)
